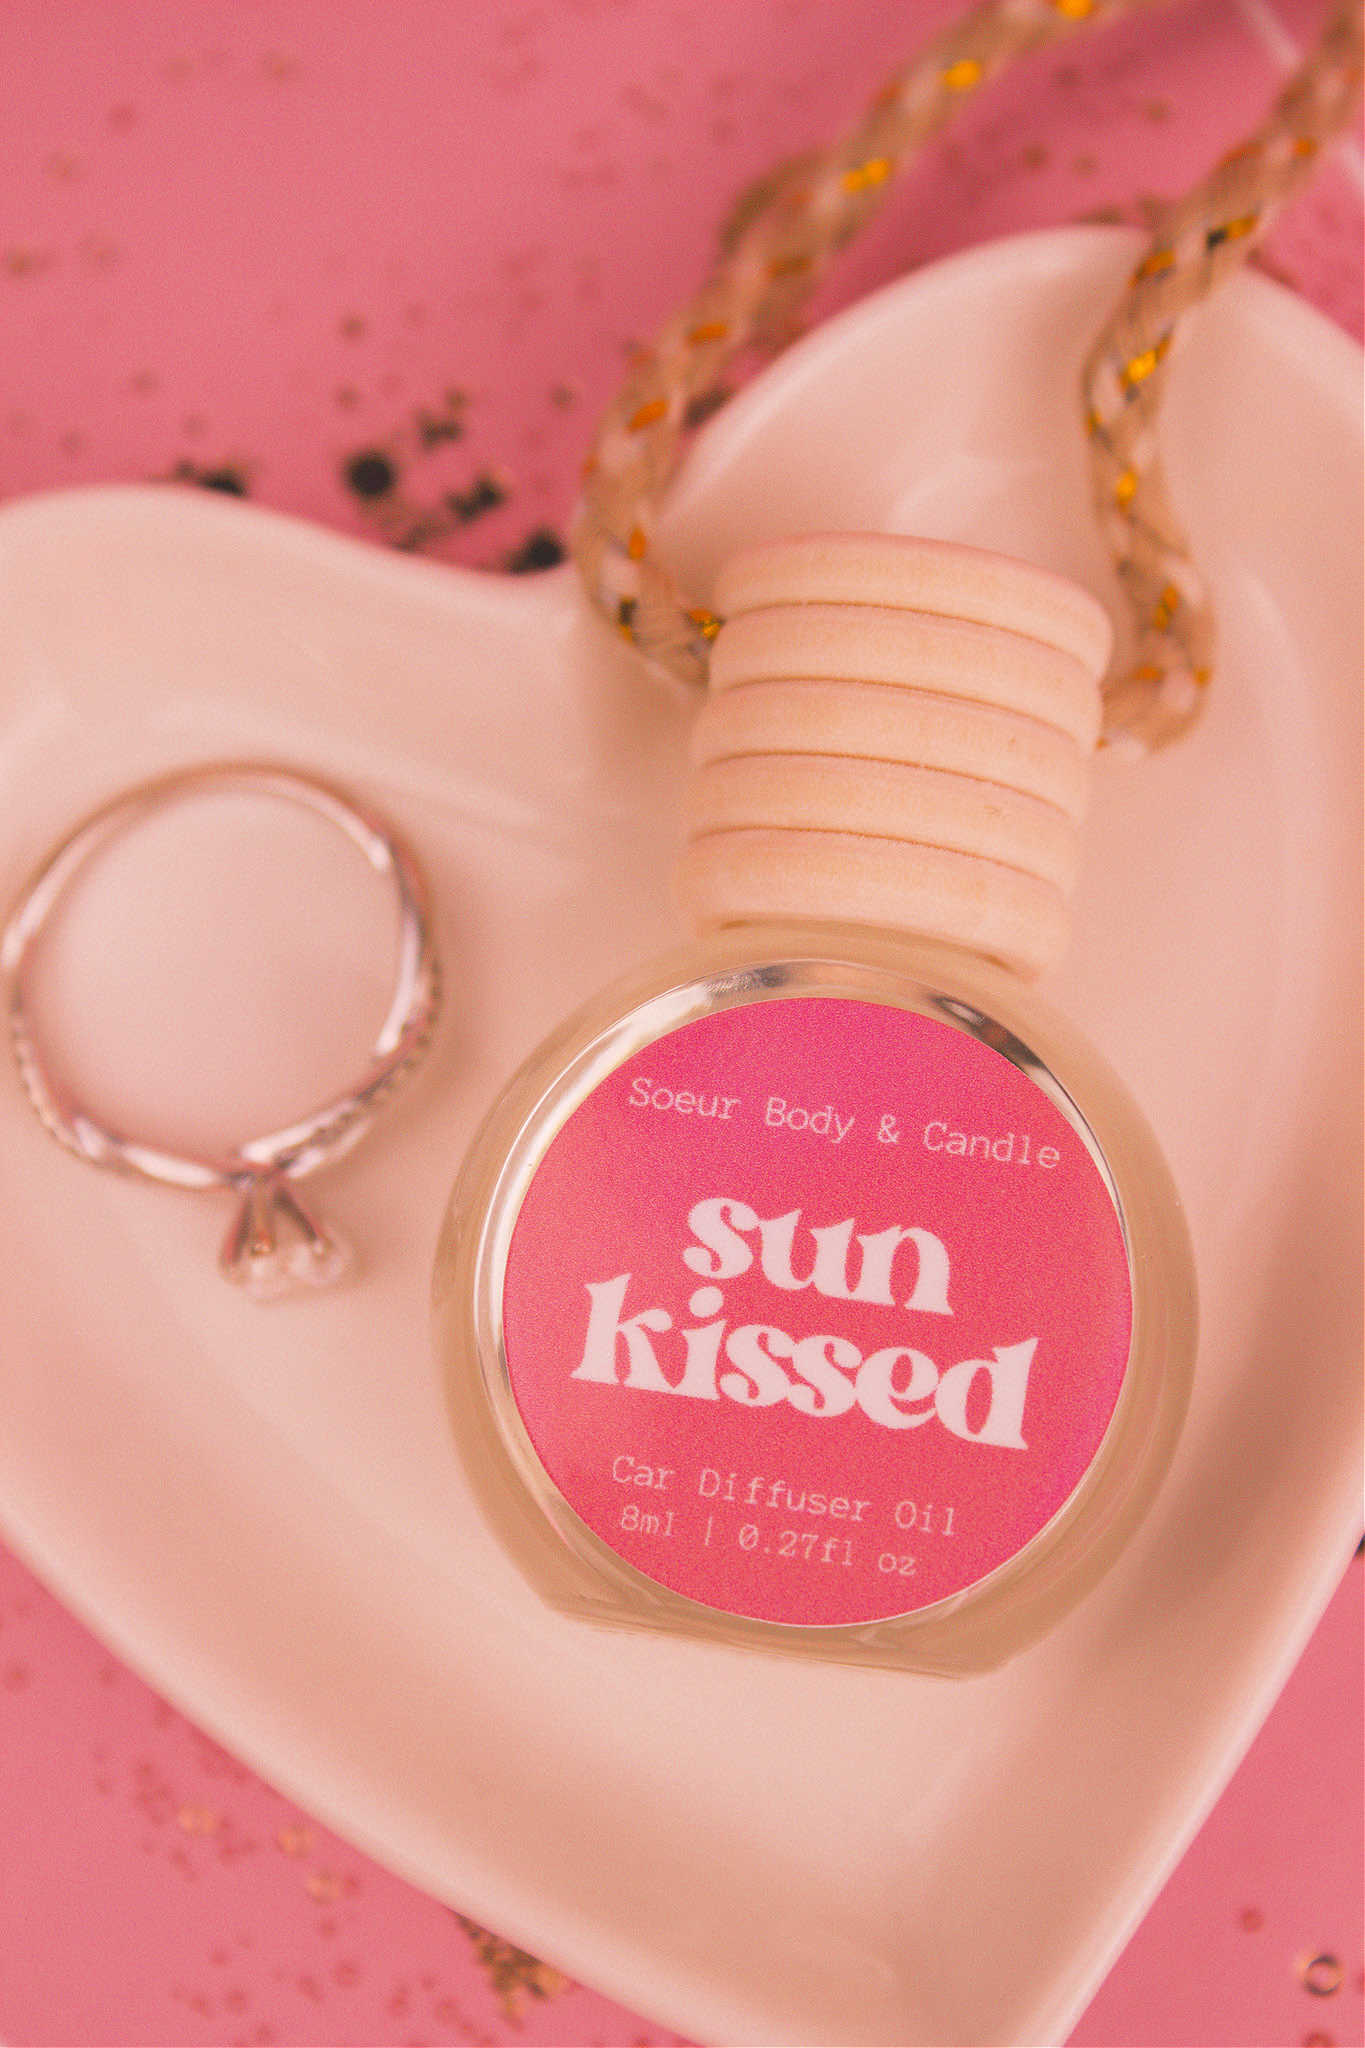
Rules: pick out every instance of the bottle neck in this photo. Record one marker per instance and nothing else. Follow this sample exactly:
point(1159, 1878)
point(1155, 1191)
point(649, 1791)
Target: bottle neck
point(752, 941)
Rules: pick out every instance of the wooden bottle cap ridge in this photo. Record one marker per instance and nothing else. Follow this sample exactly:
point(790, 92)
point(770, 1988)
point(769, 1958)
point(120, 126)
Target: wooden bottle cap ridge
point(850, 878)
point(878, 722)
point(880, 644)
point(889, 800)
point(942, 577)
point(898, 734)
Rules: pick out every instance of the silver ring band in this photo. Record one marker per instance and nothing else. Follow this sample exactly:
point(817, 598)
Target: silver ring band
point(274, 1239)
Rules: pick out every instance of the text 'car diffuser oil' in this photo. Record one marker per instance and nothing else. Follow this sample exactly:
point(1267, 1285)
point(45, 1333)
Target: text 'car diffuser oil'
point(816, 1289)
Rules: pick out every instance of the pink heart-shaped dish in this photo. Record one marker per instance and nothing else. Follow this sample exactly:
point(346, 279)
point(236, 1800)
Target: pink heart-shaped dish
point(262, 1509)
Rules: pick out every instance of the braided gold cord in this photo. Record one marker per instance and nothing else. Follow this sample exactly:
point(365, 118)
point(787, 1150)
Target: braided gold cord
point(1157, 694)
point(776, 246)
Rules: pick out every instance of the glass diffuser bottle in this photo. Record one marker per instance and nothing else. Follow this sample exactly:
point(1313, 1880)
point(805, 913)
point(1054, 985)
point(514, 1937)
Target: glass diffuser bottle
point(817, 1289)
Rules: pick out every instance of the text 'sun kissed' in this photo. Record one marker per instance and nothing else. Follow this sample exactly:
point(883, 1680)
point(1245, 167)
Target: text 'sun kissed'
point(759, 1365)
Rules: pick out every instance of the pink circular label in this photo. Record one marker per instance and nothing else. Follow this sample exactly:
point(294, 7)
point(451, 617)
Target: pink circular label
point(817, 1310)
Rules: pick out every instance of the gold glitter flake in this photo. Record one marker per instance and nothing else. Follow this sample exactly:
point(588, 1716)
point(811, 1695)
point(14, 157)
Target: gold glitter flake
point(1231, 230)
point(866, 176)
point(294, 1839)
point(708, 330)
point(1320, 1974)
point(1155, 265)
point(513, 1974)
point(1139, 368)
point(1074, 10)
point(636, 543)
point(706, 623)
point(324, 1886)
point(1166, 607)
point(645, 415)
point(963, 75)
point(1125, 487)
point(198, 1820)
point(26, 262)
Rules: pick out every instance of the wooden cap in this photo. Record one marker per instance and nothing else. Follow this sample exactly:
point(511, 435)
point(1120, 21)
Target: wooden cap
point(898, 734)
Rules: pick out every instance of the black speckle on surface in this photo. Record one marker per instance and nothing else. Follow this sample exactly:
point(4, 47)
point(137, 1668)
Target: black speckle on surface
point(370, 473)
point(437, 424)
point(485, 494)
point(219, 476)
point(542, 549)
point(704, 405)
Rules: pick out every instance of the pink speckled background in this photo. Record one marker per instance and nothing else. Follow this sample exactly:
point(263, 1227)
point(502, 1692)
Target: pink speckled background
point(245, 242)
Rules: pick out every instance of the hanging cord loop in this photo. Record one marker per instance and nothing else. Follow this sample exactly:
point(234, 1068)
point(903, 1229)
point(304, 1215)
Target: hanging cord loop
point(778, 243)
point(1196, 245)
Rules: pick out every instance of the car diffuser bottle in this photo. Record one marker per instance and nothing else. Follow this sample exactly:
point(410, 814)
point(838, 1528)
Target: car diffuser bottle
point(816, 1289)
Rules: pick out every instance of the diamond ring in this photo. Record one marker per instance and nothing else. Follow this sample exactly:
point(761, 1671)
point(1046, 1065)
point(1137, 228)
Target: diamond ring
point(275, 1242)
